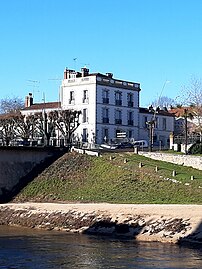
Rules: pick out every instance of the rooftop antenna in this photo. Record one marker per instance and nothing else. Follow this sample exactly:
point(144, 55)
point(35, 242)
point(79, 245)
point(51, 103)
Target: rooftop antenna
point(75, 59)
point(34, 85)
point(59, 89)
point(167, 81)
point(44, 99)
point(85, 65)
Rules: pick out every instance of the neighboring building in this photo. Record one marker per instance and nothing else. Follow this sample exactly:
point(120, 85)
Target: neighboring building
point(179, 113)
point(188, 130)
point(109, 106)
point(31, 108)
point(163, 126)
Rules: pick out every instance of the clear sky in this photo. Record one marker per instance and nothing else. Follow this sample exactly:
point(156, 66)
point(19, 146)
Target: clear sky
point(145, 41)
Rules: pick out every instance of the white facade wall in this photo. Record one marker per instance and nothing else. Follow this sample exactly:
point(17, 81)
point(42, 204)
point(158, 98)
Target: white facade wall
point(96, 127)
point(78, 86)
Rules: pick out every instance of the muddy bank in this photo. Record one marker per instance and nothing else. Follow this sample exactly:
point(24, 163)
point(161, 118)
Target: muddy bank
point(165, 223)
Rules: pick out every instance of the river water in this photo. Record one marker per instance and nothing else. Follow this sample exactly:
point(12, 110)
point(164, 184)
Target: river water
point(32, 249)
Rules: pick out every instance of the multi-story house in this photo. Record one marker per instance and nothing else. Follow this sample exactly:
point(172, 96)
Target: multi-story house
point(109, 109)
point(161, 122)
point(109, 106)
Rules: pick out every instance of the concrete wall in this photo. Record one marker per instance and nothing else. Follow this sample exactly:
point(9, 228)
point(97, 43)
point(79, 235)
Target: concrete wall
point(187, 160)
point(21, 164)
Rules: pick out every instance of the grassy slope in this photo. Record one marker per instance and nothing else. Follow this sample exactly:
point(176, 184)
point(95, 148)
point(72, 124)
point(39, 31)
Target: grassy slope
point(82, 178)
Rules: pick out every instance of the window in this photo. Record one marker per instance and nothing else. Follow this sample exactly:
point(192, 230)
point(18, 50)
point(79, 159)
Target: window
point(105, 115)
point(156, 122)
point(130, 99)
point(105, 132)
point(118, 98)
point(130, 134)
point(72, 75)
point(130, 118)
point(85, 96)
point(84, 135)
point(71, 97)
point(164, 123)
point(85, 118)
point(118, 117)
point(144, 123)
point(105, 96)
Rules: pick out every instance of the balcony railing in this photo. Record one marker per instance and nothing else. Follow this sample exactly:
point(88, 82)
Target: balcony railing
point(105, 120)
point(130, 104)
point(85, 100)
point(118, 102)
point(105, 100)
point(118, 121)
point(71, 101)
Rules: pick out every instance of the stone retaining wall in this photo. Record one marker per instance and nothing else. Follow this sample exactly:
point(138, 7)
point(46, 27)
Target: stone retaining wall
point(187, 160)
point(18, 165)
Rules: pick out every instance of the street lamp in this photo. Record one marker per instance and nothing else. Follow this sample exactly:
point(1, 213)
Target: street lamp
point(151, 125)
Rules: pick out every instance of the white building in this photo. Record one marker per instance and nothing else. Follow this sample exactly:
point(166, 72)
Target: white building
point(110, 109)
point(163, 126)
point(109, 106)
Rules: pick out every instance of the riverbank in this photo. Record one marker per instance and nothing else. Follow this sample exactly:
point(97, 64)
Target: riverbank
point(149, 222)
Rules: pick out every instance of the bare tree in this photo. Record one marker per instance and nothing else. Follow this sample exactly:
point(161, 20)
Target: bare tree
point(44, 126)
point(186, 115)
point(193, 97)
point(7, 128)
point(163, 102)
point(66, 121)
point(10, 105)
point(24, 126)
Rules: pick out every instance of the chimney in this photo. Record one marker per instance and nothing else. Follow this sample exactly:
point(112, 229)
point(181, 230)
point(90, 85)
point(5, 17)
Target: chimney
point(29, 100)
point(65, 73)
point(110, 75)
point(84, 72)
point(68, 73)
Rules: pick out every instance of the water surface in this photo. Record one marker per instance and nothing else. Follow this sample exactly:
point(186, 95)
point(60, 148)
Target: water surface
point(28, 248)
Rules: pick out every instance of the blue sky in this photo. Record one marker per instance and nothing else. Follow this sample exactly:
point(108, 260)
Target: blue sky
point(145, 41)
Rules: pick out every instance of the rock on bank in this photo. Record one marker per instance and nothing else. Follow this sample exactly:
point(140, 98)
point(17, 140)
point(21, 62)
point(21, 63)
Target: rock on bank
point(165, 223)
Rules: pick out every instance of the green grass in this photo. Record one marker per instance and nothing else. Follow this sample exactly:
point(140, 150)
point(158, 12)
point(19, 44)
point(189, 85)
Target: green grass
point(83, 178)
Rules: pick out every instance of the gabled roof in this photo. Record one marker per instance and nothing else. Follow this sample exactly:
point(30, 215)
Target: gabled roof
point(50, 105)
point(160, 112)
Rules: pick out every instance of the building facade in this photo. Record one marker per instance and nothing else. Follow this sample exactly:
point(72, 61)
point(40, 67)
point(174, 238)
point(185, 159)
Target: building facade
point(109, 109)
point(162, 124)
point(109, 106)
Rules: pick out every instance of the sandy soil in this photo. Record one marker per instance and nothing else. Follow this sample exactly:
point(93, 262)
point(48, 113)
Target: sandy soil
point(190, 213)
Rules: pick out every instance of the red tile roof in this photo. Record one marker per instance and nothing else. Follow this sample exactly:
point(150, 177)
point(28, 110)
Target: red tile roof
point(50, 105)
point(179, 111)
